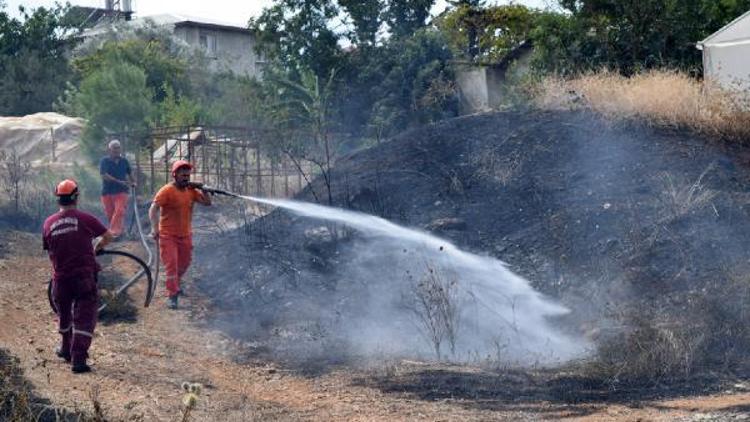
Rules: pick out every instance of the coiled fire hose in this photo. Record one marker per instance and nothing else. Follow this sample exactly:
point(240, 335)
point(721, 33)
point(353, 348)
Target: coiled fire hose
point(143, 270)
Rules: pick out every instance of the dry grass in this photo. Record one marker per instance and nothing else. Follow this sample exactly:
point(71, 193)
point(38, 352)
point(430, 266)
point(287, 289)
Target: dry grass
point(647, 353)
point(709, 334)
point(493, 166)
point(679, 199)
point(18, 403)
point(662, 98)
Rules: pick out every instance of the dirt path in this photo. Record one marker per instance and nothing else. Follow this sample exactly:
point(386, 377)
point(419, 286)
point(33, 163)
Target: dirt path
point(139, 368)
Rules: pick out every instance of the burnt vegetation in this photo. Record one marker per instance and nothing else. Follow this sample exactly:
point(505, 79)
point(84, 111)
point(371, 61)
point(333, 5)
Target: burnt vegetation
point(640, 231)
point(19, 402)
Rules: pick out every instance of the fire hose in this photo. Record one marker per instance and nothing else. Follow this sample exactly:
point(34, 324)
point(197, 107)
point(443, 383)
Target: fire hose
point(214, 191)
point(157, 252)
point(143, 270)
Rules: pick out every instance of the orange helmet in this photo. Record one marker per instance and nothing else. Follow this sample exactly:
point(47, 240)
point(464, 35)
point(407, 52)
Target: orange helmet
point(66, 187)
point(179, 164)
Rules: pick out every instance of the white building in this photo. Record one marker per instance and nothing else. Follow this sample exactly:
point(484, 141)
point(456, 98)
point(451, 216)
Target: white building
point(726, 55)
point(229, 47)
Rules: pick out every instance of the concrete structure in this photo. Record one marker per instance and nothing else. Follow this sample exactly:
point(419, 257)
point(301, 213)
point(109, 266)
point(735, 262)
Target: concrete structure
point(229, 47)
point(484, 87)
point(726, 55)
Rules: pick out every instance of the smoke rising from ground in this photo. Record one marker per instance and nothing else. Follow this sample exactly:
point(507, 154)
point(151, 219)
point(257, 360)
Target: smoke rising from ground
point(387, 270)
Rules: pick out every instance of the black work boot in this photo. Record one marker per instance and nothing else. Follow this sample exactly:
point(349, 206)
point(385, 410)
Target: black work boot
point(80, 368)
point(62, 354)
point(172, 303)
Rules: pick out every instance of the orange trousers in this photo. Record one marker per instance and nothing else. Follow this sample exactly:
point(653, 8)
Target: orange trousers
point(115, 206)
point(176, 253)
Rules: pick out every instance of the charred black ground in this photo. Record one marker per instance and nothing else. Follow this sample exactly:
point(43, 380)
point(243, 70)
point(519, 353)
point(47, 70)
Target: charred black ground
point(611, 219)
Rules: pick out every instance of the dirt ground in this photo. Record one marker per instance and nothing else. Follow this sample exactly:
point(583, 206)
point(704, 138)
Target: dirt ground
point(139, 367)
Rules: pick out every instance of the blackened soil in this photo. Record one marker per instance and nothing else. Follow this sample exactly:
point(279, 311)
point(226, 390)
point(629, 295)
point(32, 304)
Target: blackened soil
point(594, 214)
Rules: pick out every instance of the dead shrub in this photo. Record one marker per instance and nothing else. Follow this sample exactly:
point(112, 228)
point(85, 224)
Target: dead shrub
point(120, 308)
point(96, 404)
point(646, 353)
point(660, 97)
point(13, 173)
point(707, 330)
point(18, 403)
point(490, 165)
point(679, 199)
point(26, 208)
point(435, 304)
point(15, 392)
point(455, 185)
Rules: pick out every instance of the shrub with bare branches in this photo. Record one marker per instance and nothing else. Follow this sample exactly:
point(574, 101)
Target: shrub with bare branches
point(435, 304)
point(649, 344)
point(14, 173)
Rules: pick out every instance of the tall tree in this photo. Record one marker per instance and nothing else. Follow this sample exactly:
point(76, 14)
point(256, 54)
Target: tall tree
point(487, 34)
point(366, 17)
point(298, 34)
point(405, 17)
point(33, 65)
point(113, 98)
point(630, 35)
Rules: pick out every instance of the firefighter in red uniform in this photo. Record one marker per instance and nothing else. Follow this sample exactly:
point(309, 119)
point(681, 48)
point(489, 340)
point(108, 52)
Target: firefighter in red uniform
point(67, 237)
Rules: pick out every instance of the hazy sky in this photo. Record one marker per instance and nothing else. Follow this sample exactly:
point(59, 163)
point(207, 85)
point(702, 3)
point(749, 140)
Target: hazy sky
point(229, 11)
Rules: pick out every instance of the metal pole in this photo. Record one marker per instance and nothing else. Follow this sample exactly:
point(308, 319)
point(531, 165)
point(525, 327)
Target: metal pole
point(258, 182)
point(153, 175)
point(285, 169)
point(54, 143)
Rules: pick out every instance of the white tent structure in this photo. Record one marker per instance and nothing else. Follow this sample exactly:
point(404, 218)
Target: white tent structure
point(726, 55)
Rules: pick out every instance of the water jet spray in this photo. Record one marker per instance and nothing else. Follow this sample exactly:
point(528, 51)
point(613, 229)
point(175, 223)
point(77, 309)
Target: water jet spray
point(498, 302)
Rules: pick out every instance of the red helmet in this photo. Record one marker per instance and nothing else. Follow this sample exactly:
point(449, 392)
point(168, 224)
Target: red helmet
point(180, 164)
point(66, 187)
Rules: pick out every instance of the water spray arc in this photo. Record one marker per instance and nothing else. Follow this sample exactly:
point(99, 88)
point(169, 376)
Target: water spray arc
point(503, 302)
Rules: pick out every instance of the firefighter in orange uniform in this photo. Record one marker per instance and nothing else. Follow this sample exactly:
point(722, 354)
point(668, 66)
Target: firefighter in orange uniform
point(171, 215)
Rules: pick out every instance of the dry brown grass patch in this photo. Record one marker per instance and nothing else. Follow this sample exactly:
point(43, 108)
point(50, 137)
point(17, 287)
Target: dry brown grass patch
point(663, 98)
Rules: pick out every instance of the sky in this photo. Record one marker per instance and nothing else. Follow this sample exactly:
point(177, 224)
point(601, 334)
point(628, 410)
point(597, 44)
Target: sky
point(229, 11)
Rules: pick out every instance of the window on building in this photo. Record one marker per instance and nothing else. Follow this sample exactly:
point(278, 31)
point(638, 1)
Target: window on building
point(207, 42)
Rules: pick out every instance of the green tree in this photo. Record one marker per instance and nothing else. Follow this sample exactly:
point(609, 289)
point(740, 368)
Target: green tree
point(405, 17)
point(33, 66)
point(486, 34)
point(176, 110)
point(162, 67)
point(394, 73)
point(631, 35)
point(366, 18)
point(113, 98)
point(564, 45)
point(239, 101)
point(297, 35)
point(415, 83)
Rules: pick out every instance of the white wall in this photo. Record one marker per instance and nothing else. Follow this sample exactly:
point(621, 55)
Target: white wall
point(235, 50)
point(728, 64)
point(472, 88)
point(739, 29)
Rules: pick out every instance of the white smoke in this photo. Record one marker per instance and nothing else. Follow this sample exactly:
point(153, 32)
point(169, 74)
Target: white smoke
point(500, 311)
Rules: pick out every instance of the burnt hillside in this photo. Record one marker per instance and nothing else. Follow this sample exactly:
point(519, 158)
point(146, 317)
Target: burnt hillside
point(594, 214)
